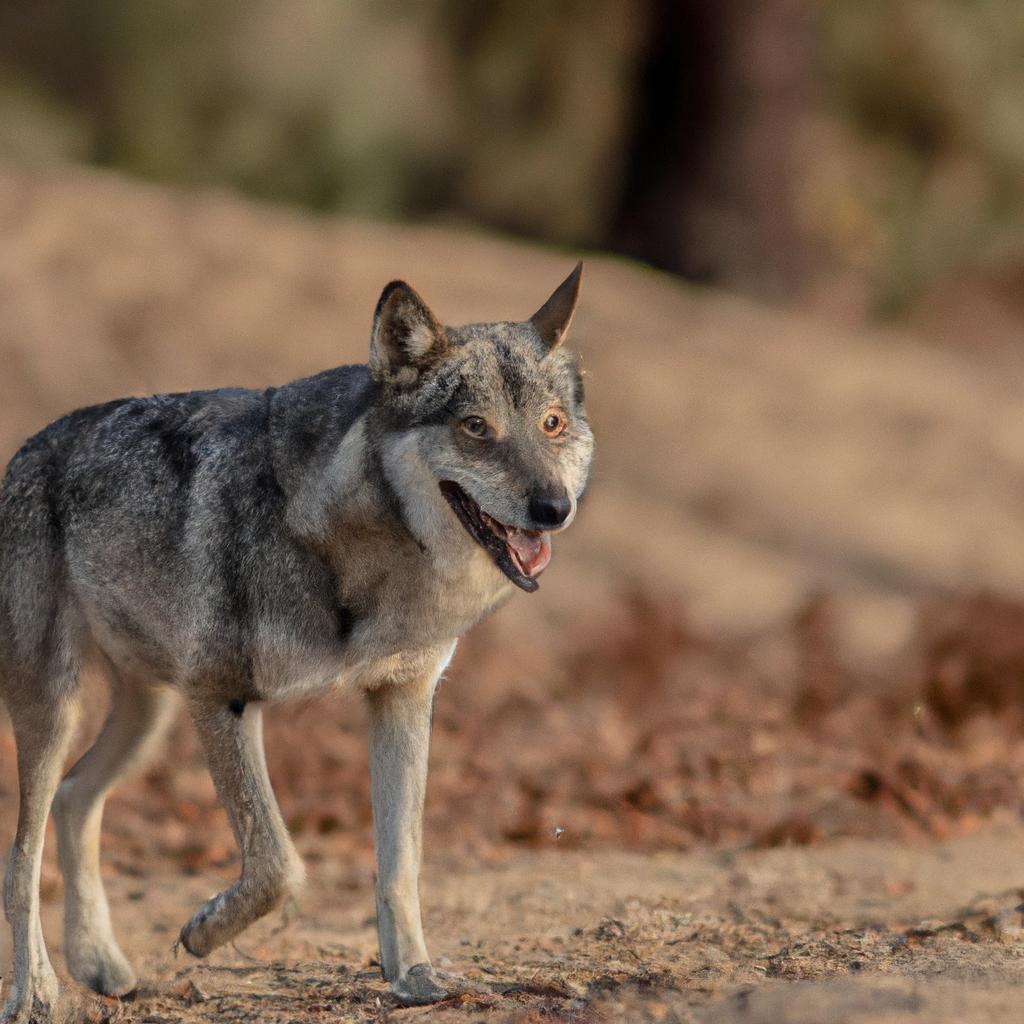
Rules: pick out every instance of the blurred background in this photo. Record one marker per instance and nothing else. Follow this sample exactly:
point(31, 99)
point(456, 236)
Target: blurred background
point(863, 154)
point(791, 606)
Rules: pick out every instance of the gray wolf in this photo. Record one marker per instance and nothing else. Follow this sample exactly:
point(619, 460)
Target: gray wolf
point(234, 547)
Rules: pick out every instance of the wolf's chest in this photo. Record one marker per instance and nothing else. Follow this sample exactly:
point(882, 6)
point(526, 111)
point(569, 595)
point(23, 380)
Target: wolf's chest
point(415, 608)
point(388, 624)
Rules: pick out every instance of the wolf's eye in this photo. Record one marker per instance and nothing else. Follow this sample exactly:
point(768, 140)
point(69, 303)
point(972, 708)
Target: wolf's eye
point(554, 423)
point(475, 426)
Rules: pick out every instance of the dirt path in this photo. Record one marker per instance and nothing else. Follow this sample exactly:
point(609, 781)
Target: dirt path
point(852, 931)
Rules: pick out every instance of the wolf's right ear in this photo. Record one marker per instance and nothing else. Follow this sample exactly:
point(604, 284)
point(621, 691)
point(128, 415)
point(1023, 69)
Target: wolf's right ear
point(406, 336)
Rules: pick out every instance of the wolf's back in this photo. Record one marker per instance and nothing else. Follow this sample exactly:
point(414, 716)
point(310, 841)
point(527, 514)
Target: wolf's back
point(142, 510)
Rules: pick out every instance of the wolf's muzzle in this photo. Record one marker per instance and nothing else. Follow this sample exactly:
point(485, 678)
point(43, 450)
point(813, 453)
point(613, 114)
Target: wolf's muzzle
point(550, 510)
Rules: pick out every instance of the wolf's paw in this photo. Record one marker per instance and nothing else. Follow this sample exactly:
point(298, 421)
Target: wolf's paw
point(103, 968)
point(33, 1005)
point(418, 986)
point(213, 923)
point(197, 936)
point(224, 916)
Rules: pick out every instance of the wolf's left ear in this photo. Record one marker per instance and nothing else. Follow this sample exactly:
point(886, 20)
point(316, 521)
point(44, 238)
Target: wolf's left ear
point(552, 320)
point(406, 336)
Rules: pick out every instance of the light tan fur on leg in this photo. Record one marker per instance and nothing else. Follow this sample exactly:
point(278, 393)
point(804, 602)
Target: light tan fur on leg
point(137, 715)
point(400, 716)
point(270, 866)
point(43, 731)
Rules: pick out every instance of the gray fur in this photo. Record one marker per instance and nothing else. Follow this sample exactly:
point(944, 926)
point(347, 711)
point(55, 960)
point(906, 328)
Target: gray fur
point(240, 546)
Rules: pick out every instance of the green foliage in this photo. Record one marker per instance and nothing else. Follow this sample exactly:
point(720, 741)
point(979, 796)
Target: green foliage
point(930, 97)
point(37, 128)
point(493, 110)
point(517, 114)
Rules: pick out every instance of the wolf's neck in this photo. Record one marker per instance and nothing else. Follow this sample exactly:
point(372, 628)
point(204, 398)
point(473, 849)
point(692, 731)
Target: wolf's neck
point(363, 494)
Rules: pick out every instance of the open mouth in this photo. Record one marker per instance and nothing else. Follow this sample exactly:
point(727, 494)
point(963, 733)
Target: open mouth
point(522, 555)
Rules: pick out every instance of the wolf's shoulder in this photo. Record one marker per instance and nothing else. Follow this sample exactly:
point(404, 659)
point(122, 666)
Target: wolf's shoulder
point(309, 418)
point(344, 390)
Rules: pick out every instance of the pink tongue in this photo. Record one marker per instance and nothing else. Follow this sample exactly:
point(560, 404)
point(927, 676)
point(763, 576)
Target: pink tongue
point(533, 550)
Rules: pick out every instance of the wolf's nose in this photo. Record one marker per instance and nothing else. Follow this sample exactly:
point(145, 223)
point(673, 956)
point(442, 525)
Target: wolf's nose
point(550, 510)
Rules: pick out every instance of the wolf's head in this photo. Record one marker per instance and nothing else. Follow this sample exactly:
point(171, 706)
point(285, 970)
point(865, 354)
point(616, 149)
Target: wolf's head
point(485, 426)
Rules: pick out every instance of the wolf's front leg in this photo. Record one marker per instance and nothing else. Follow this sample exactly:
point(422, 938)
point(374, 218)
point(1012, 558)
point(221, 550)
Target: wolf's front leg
point(399, 742)
point(233, 737)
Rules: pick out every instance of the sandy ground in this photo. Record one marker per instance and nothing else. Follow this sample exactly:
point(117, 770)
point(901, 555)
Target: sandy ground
point(853, 931)
point(675, 695)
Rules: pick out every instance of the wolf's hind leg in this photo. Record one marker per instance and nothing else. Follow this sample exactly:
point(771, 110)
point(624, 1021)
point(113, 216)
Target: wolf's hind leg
point(42, 729)
point(137, 715)
point(233, 738)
